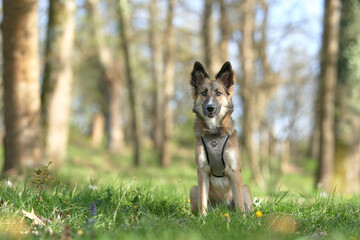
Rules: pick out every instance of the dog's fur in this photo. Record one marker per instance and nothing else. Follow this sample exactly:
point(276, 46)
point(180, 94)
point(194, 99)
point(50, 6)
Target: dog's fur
point(213, 107)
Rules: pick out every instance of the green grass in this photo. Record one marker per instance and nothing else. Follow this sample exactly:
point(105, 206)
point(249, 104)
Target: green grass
point(133, 211)
point(95, 195)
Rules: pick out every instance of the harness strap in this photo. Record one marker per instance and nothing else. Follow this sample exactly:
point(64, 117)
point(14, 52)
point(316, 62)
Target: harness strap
point(214, 146)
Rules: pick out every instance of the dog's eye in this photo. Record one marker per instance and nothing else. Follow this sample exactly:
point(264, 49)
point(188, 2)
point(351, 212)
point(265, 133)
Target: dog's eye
point(218, 93)
point(204, 93)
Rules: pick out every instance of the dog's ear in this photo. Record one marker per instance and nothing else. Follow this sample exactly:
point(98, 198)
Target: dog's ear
point(226, 75)
point(198, 75)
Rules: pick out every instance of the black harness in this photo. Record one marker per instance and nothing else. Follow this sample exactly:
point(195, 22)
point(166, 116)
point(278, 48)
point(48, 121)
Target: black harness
point(214, 146)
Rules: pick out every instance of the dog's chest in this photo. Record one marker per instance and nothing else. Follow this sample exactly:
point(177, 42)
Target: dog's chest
point(221, 185)
point(214, 146)
point(230, 158)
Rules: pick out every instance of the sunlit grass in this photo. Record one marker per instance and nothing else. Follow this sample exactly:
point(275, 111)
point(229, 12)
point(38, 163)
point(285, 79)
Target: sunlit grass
point(102, 196)
point(130, 210)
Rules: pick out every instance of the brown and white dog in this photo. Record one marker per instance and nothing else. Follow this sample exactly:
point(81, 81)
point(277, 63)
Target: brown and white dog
point(217, 153)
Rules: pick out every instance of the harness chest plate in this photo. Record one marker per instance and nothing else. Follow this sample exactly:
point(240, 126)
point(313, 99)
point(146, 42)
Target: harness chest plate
point(214, 146)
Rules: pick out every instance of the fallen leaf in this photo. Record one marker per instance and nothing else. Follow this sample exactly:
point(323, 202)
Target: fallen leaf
point(32, 216)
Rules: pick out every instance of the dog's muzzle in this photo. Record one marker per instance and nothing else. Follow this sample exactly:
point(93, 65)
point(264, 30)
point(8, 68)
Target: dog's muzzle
point(211, 108)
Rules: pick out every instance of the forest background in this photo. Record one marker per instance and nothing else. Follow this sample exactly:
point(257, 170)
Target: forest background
point(97, 125)
point(102, 84)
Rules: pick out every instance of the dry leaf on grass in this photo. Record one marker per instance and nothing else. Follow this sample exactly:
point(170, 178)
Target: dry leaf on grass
point(32, 216)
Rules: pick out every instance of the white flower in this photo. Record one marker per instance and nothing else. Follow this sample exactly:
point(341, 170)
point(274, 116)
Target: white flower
point(257, 202)
point(92, 187)
point(323, 194)
point(8, 183)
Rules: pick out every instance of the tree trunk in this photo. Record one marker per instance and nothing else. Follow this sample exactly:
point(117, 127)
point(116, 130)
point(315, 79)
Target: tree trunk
point(328, 76)
point(314, 148)
point(135, 120)
point(115, 134)
point(285, 157)
point(169, 75)
point(264, 149)
point(113, 83)
point(58, 78)
point(157, 74)
point(225, 31)
point(255, 94)
point(209, 49)
point(248, 88)
point(347, 117)
point(97, 130)
point(22, 143)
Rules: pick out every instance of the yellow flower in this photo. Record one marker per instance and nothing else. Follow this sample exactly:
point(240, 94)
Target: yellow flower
point(188, 200)
point(227, 220)
point(259, 214)
point(79, 232)
point(134, 207)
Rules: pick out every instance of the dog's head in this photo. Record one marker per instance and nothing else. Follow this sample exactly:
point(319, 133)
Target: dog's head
point(212, 98)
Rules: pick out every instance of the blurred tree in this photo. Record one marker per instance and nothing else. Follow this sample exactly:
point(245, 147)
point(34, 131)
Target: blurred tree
point(169, 75)
point(58, 77)
point(157, 75)
point(327, 84)
point(97, 129)
point(124, 25)
point(247, 88)
point(347, 115)
point(256, 89)
point(112, 77)
point(209, 48)
point(314, 148)
point(225, 32)
point(215, 52)
point(22, 143)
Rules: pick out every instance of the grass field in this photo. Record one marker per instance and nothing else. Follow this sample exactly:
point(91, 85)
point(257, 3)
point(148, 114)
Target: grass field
point(100, 196)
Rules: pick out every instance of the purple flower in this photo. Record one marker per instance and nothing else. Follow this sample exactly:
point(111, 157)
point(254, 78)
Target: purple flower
point(92, 210)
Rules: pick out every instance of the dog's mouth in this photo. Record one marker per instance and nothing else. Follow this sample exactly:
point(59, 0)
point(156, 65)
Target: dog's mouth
point(211, 115)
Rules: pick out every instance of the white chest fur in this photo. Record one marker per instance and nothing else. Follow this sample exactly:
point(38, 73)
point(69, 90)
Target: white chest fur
point(231, 159)
point(202, 159)
point(212, 123)
point(222, 184)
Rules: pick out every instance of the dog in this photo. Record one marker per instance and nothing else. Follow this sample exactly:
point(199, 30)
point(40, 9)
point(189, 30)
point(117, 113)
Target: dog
point(217, 152)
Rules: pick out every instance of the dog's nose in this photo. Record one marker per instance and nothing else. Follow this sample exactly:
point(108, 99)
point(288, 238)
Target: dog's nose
point(210, 108)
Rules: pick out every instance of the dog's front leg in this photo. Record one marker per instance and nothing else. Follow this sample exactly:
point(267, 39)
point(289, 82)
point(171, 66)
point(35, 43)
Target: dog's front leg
point(237, 189)
point(203, 183)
